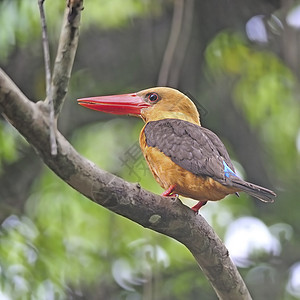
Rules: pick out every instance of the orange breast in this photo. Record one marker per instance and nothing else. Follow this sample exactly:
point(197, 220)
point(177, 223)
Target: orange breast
point(167, 173)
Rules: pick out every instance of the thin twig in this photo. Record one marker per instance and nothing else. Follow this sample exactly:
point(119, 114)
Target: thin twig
point(45, 46)
point(52, 123)
point(172, 43)
point(184, 38)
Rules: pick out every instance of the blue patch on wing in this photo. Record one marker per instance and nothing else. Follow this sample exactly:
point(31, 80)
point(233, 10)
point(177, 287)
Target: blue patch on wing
point(227, 170)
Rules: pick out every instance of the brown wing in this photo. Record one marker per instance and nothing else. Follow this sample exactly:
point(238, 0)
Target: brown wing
point(190, 146)
point(201, 152)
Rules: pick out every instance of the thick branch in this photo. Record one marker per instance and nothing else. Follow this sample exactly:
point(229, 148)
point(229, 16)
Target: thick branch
point(171, 218)
point(65, 54)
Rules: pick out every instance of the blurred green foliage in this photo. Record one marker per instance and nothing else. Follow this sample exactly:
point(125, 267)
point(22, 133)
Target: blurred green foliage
point(18, 30)
point(9, 139)
point(264, 90)
point(64, 244)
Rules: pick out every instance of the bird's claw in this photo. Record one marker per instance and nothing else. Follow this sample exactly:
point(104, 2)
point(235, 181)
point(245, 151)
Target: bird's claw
point(169, 192)
point(197, 207)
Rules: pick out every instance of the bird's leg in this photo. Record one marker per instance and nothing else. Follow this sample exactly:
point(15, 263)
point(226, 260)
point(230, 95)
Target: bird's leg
point(169, 192)
point(196, 207)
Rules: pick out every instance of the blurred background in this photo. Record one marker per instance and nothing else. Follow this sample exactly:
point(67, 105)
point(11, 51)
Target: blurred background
point(239, 61)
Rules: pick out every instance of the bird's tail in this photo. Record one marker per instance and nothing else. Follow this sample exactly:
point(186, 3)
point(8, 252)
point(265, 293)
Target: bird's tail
point(256, 191)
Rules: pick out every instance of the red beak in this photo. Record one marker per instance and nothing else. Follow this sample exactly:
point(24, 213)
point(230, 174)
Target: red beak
point(127, 104)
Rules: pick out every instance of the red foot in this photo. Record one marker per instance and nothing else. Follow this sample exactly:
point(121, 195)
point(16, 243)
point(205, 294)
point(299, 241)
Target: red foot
point(169, 191)
point(196, 207)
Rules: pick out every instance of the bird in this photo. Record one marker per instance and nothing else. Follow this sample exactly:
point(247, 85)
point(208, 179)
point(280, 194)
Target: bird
point(185, 158)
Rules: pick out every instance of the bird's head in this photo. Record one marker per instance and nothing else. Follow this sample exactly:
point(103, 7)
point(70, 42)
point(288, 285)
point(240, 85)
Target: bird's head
point(151, 105)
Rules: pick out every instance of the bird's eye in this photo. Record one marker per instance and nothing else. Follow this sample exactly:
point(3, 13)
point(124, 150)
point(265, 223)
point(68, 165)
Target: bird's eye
point(152, 97)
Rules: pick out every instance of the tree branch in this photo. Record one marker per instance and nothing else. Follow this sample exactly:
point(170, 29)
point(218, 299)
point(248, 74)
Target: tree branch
point(45, 46)
point(171, 218)
point(67, 47)
point(52, 125)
